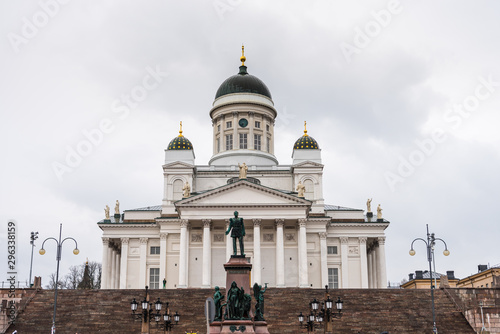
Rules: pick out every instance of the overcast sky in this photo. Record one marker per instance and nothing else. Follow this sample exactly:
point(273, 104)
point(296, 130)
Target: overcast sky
point(402, 97)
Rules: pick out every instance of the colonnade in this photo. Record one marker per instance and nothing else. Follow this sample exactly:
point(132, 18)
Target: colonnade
point(371, 257)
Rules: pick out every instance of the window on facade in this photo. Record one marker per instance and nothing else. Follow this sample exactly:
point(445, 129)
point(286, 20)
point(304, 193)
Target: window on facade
point(229, 142)
point(177, 190)
point(333, 278)
point(257, 142)
point(229, 125)
point(154, 278)
point(267, 127)
point(332, 250)
point(268, 144)
point(257, 124)
point(218, 128)
point(243, 140)
point(218, 145)
point(154, 250)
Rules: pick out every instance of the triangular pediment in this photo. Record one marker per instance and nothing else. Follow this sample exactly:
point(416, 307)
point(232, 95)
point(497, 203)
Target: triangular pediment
point(243, 193)
point(178, 164)
point(307, 164)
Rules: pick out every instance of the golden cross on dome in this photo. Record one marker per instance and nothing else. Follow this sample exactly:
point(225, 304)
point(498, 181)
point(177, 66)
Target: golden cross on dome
point(180, 131)
point(243, 59)
point(305, 128)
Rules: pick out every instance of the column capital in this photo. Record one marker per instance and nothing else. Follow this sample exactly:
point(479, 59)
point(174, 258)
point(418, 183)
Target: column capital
point(251, 113)
point(235, 114)
point(163, 236)
point(105, 241)
point(323, 235)
point(124, 241)
point(362, 240)
point(207, 223)
point(257, 222)
point(143, 240)
point(302, 222)
point(344, 240)
point(381, 240)
point(184, 223)
point(279, 222)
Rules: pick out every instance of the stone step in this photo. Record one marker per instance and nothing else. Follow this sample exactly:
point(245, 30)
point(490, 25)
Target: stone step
point(365, 311)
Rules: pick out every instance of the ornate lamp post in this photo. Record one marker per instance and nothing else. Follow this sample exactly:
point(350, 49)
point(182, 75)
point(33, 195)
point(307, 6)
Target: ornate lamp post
point(34, 236)
point(152, 311)
point(430, 243)
point(58, 259)
point(321, 314)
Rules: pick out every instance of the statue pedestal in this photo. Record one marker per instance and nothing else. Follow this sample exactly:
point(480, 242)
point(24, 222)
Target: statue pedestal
point(369, 214)
point(261, 327)
point(237, 326)
point(238, 270)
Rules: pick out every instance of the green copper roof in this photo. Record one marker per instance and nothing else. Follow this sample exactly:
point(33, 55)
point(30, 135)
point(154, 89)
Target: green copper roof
point(305, 143)
point(180, 143)
point(243, 83)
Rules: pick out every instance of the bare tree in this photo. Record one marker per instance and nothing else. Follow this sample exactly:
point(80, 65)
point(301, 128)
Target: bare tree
point(52, 280)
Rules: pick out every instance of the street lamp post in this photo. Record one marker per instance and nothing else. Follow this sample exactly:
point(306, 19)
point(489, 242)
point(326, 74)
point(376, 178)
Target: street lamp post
point(58, 259)
point(430, 243)
point(34, 236)
point(321, 314)
point(152, 311)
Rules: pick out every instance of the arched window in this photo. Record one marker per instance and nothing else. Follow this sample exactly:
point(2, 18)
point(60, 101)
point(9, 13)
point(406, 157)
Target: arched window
point(309, 194)
point(177, 190)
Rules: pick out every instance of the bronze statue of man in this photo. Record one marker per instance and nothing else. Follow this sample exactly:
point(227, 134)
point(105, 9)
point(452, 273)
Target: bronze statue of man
point(238, 232)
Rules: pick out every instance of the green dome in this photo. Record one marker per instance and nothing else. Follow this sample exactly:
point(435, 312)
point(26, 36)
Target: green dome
point(243, 83)
point(180, 143)
point(306, 143)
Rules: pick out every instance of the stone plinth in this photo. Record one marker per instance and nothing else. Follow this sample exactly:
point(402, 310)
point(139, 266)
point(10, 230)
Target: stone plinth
point(261, 327)
point(237, 326)
point(238, 270)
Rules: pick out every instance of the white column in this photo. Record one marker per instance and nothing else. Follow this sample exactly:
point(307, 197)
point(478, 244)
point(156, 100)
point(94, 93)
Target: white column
point(251, 124)
point(375, 267)
point(117, 270)
point(303, 272)
point(124, 263)
point(183, 254)
point(188, 237)
point(382, 275)
point(323, 256)
point(111, 283)
point(364, 262)
point(207, 255)
point(280, 254)
point(229, 243)
point(143, 251)
point(257, 266)
point(370, 269)
point(344, 251)
point(105, 263)
point(236, 139)
point(163, 257)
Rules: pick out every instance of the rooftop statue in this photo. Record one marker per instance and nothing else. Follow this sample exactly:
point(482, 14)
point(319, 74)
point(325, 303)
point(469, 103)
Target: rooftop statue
point(379, 212)
point(106, 212)
point(186, 190)
point(369, 205)
point(243, 170)
point(301, 189)
point(117, 208)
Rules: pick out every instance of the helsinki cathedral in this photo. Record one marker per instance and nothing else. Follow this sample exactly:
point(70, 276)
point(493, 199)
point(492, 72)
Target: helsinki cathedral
point(293, 239)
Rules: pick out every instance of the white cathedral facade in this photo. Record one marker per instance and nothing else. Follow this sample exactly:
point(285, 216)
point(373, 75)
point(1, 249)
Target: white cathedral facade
point(293, 239)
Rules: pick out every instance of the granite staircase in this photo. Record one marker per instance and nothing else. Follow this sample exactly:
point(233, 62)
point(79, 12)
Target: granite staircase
point(365, 311)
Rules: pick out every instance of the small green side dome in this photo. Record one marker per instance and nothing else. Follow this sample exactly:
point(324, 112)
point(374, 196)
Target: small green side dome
point(305, 143)
point(180, 143)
